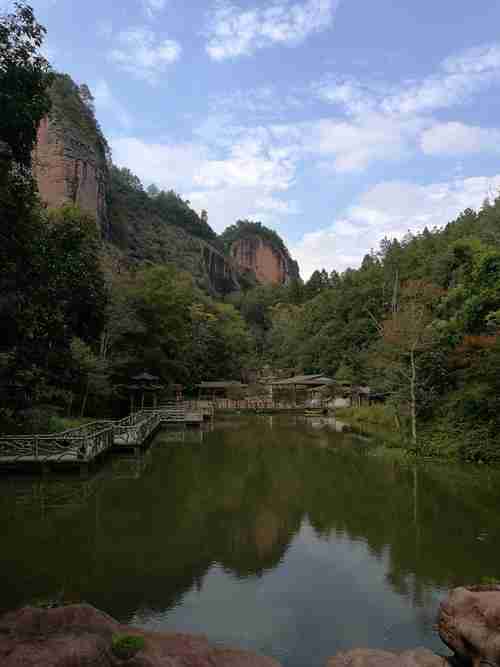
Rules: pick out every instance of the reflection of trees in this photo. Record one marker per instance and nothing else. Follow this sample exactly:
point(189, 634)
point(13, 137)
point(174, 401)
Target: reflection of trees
point(237, 500)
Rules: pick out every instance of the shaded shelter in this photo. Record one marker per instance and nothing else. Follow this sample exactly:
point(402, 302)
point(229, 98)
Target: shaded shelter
point(301, 384)
point(219, 389)
point(143, 384)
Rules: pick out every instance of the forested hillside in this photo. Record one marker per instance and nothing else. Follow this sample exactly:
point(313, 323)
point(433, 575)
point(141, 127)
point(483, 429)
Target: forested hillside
point(418, 322)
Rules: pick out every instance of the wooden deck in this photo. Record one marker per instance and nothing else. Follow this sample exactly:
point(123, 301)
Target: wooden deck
point(83, 445)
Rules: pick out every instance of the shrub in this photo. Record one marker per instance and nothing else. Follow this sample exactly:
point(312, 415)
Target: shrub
point(126, 646)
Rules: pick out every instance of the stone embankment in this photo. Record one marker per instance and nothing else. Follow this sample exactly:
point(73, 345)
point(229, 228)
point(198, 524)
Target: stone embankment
point(79, 635)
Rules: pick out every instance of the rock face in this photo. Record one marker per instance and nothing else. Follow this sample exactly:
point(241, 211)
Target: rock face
point(71, 168)
point(469, 624)
point(270, 264)
point(371, 658)
point(222, 274)
point(79, 635)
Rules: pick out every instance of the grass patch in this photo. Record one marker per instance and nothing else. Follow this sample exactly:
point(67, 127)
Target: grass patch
point(379, 414)
point(58, 424)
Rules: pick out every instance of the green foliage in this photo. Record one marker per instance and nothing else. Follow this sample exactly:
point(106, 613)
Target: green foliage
point(177, 212)
point(334, 324)
point(126, 646)
point(24, 78)
point(381, 414)
point(139, 219)
point(59, 294)
point(72, 106)
point(177, 331)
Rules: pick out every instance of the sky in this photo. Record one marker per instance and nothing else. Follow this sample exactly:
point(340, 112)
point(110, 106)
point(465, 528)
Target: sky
point(335, 122)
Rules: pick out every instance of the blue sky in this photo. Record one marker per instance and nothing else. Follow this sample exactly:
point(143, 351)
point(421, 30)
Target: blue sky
point(336, 122)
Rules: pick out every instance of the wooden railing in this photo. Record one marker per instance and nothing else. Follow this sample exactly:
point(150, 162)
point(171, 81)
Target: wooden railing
point(254, 404)
point(76, 445)
point(136, 428)
point(172, 412)
point(205, 408)
point(85, 443)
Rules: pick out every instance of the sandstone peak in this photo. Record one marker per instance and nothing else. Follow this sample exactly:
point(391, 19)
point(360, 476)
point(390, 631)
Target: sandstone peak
point(259, 249)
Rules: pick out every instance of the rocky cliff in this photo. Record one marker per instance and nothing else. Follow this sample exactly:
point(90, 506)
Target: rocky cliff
point(269, 264)
point(72, 164)
point(259, 249)
point(69, 161)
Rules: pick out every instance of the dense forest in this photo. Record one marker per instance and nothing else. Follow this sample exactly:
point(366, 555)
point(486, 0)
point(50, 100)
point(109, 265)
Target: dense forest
point(418, 321)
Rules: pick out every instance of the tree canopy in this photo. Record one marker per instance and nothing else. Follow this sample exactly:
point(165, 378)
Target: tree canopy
point(25, 75)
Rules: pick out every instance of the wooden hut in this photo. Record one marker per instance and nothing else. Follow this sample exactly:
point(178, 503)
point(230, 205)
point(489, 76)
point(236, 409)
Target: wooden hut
point(302, 387)
point(219, 389)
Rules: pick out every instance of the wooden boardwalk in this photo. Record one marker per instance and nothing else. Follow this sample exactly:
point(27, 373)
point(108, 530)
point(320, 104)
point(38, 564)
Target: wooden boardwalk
point(81, 446)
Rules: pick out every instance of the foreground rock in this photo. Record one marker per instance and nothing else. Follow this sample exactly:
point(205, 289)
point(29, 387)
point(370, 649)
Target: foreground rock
point(80, 635)
point(371, 658)
point(469, 624)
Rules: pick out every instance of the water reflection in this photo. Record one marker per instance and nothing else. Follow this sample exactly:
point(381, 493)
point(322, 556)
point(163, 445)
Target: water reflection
point(275, 533)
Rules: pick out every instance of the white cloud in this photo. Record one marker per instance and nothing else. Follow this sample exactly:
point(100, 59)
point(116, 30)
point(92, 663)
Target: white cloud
point(355, 145)
point(236, 32)
point(243, 180)
point(384, 122)
point(106, 101)
point(459, 139)
point(350, 145)
point(227, 204)
point(166, 165)
point(389, 209)
point(153, 7)
point(141, 53)
point(456, 80)
point(353, 96)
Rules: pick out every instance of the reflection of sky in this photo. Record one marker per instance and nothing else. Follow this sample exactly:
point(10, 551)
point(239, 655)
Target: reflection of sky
point(327, 595)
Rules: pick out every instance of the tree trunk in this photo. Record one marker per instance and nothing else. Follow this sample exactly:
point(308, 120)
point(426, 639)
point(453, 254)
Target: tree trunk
point(70, 404)
point(413, 399)
point(85, 398)
point(104, 345)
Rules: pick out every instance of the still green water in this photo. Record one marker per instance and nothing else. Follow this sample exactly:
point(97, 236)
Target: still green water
point(277, 534)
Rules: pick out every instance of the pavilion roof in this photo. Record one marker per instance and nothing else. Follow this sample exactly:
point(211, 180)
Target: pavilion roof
point(221, 384)
point(317, 380)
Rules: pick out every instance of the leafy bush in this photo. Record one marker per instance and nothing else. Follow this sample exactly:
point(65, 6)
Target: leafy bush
point(126, 646)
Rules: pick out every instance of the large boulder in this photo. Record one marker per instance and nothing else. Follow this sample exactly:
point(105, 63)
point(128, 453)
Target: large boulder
point(469, 624)
point(371, 658)
point(80, 636)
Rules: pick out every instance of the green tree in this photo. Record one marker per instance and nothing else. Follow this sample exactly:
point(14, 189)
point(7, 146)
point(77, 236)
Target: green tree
point(406, 336)
point(24, 80)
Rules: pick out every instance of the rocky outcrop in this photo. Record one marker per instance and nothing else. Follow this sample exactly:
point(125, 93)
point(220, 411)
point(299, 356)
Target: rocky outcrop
point(372, 658)
point(70, 169)
point(270, 264)
point(222, 274)
point(469, 624)
point(80, 635)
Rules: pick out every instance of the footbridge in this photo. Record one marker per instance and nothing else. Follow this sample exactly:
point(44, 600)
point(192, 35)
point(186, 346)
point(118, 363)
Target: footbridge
point(83, 445)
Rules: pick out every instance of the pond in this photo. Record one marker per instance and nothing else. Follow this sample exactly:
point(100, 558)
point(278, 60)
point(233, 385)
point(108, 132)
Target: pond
point(277, 534)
